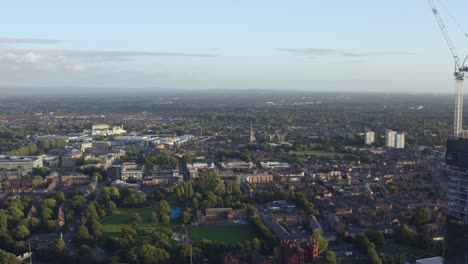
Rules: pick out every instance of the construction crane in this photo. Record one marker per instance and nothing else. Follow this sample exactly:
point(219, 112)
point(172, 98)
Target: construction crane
point(459, 73)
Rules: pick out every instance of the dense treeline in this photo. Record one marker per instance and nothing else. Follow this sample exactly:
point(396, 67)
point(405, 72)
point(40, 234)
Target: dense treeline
point(41, 147)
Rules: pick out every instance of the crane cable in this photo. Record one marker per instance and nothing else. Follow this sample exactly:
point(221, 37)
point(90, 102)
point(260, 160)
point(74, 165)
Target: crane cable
point(453, 18)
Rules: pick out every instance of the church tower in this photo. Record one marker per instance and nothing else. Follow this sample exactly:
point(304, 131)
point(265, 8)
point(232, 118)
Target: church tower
point(252, 134)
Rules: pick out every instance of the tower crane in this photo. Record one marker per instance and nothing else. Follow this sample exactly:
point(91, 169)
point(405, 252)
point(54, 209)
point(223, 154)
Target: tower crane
point(459, 73)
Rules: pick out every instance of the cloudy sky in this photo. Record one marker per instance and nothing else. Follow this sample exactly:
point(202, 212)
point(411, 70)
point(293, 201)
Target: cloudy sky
point(362, 45)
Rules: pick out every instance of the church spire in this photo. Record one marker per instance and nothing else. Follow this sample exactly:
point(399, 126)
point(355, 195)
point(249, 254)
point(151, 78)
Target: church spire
point(252, 134)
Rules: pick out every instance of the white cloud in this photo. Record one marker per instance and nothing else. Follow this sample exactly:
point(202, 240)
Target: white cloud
point(342, 53)
point(74, 60)
point(37, 61)
point(5, 40)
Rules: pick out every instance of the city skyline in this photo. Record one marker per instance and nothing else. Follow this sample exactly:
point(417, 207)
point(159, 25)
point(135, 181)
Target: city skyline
point(308, 45)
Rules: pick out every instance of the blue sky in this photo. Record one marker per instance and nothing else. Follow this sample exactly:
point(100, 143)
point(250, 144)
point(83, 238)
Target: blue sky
point(362, 45)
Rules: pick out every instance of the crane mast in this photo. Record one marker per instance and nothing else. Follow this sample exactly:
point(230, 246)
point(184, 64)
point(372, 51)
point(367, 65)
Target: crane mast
point(459, 73)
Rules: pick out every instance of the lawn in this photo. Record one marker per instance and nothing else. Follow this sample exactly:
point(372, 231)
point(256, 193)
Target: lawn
point(410, 252)
point(226, 234)
point(122, 218)
point(114, 223)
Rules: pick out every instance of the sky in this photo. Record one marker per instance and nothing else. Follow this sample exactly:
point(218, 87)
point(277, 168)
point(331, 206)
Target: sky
point(313, 45)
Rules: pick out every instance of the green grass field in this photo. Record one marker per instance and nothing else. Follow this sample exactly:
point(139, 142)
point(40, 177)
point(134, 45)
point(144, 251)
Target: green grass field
point(227, 234)
point(122, 218)
point(411, 253)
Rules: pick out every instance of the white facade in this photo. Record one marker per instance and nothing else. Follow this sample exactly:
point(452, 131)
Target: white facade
point(274, 165)
point(369, 137)
point(390, 138)
point(23, 163)
point(136, 174)
point(107, 130)
point(131, 170)
point(400, 140)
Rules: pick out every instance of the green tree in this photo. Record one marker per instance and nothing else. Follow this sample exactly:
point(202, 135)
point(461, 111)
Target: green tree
point(164, 207)
point(60, 197)
point(59, 246)
point(37, 181)
point(330, 257)
point(49, 203)
point(6, 257)
point(6, 241)
point(20, 232)
point(109, 194)
point(148, 254)
point(377, 238)
point(185, 217)
point(422, 216)
point(189, 158)
point(322, 243)
point(15, 213)
point(3, 220)
point(82, 235)
point(128, 233)
point(34, 223)
point(94, 228)
point(210, 181)
point(154, 219)
point(164, 218)
point(136, 218)
point(373, 256)
point(50, 225)
point(255, 244)
point(46, 214)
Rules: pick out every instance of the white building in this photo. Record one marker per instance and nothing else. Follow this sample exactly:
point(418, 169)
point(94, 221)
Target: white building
point(400, 140)
point(131, 170)
point(369, 137)
point(390, 138)
point(22, 163)
point(271, 165)
point(107, 130)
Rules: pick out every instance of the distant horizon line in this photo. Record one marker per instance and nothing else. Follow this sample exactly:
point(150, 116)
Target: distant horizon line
point(103, 89)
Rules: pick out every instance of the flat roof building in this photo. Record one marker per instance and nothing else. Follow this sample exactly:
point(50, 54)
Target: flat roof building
point(23, 163)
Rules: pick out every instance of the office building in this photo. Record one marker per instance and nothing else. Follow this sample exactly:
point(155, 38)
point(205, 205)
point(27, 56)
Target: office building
point(198, 132)
point(456, 171)
point(369, 137)
point(114, 172)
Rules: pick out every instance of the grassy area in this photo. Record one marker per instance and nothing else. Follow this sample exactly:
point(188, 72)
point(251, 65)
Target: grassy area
point(410, 252)
point(227, 234)
point(122, 218)
point(113, 225)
